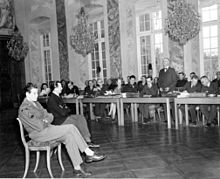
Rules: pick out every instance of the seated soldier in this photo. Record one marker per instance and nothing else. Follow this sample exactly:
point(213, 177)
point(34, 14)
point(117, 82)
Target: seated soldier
point(181, 81)
point(209, 111)
point(37, 122)
point(149, 89)
point(131, 86)
point(60, 111)
point(193, 86)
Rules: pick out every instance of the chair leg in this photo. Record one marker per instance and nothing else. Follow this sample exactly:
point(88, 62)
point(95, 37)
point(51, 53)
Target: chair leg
point(27, 160)
point(197, 114)
point(203, 120)
point(158, 112)
point(48, 163)
point(218, 115)
point(37, 160)
point(180, 116)
point(60, 157)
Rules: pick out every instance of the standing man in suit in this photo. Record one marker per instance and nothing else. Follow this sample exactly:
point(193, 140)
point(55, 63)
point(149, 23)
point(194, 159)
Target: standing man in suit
point(167, 80)
point(60, 111)
point(167, 77)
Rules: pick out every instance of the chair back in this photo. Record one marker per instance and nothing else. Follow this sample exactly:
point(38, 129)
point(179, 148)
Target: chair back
point(22, 133)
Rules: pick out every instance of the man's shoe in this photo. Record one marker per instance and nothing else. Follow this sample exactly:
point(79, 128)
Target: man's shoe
point(94, 158)
point(92, 145)
point(82, 173)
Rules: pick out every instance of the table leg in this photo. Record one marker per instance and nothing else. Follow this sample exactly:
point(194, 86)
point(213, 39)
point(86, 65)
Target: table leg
point(176, 115)
point(91, 111)
point(168, 114)
point(77, 107)
point(186, 114)
point(118, 112)
point(180, 116)
point(122, 112)
point(132, 112)
point(135, 113)
point(81, 108)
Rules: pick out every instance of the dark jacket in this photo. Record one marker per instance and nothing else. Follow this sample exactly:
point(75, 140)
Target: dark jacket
point(212, 89)
point(74, 90)
point(57, 107)
point(181, 83)
point(167, 79)
point(149, 91)
point(89, 92)
point(130, 88)
point(140, 86)
point(192, 89)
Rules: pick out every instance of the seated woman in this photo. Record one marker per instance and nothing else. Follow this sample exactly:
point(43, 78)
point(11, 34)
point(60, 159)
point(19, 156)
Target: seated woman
point(148, 110)
point(89, 90)
point(100, 107)
point(44, 90)
point(116, 90)
point(64, 86)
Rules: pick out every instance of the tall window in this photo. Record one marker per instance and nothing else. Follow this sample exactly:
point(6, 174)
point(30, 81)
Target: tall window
point(46, 56)
point(150, 41)
point(210, 40)
point(98, 56)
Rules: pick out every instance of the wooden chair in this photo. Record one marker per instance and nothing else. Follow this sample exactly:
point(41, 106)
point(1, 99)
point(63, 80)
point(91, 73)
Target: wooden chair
point(37, 147)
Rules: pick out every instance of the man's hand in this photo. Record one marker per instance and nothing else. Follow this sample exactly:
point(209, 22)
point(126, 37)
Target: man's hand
point(167, 89)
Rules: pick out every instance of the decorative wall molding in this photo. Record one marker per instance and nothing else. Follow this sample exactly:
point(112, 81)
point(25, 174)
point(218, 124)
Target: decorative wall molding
point(114, 38)
point(62, 39)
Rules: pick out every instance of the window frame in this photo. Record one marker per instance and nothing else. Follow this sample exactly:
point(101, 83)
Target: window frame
point(152, 34)
point(209, 24)
point(99, 41)
point(43, 49)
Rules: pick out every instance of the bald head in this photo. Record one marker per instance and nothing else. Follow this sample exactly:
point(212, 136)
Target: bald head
point(166, 62)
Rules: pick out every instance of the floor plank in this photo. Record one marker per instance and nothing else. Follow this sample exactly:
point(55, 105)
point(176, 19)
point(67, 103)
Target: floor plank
point(133, 151)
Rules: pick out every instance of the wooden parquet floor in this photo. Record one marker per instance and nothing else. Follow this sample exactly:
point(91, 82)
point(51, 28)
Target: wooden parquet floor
point(134, 151)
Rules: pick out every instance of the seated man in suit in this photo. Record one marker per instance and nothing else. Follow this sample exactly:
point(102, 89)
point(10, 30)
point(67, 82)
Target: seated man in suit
point(60, 111)
point(193, 86)
point(217, 81)
point(131, 86)
point(149, 89)
point(209, 111)
point(37, 122)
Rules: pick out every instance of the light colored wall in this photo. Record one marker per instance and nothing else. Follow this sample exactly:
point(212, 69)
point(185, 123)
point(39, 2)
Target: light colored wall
point(31, 16)
point(28, 15)
point(128, 38)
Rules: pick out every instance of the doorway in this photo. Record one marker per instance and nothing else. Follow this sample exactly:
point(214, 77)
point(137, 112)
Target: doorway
point(12, 78)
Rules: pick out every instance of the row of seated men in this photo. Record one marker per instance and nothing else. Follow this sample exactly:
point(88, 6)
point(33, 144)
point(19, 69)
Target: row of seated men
point(166, 82)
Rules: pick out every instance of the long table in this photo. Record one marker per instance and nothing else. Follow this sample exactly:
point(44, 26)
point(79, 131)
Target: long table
point(103, 99)
point(151, 100)
point(74, 101)
point(192, 100)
